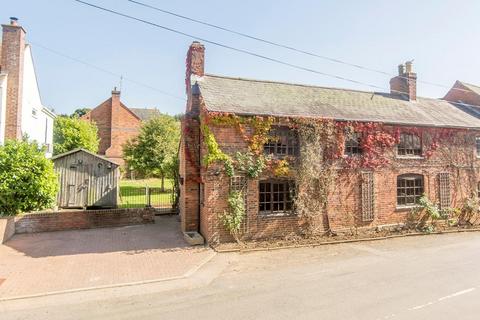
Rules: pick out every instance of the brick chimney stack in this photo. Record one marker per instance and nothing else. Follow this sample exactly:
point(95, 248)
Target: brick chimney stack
point(195, 62)
point(195, 68)
point(115, 125)
point(13, 48)
point(405, 84)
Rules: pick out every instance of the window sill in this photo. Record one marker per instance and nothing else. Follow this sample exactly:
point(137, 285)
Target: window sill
point(406, 208)
point(410, 157)
point(268, 214)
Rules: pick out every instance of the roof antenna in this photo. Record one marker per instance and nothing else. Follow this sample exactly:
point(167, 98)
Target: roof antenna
point(121, 82)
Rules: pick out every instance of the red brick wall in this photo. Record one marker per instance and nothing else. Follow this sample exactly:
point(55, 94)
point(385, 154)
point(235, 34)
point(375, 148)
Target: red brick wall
point(116, 125)
point(125, 126)
point(102, 116)
point(344, 204)
point(13, 47)
point(461, 93)
point(71, 220)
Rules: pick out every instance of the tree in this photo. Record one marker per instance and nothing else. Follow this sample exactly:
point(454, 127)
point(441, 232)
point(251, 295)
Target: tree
point(27, 179)
point(154, 151)
point(72, 133)
point(79, 112)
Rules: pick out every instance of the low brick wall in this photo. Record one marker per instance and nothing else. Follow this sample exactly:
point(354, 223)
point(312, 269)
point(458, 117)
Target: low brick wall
point(79, 219)
point(7, 229)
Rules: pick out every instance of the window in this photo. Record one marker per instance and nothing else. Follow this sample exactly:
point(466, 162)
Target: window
point(284, 142)
point(478, 190)
point(409, 145)
point(409, 189)
point(477, 144)
point(276, 197)
point(353, 145)
point(34, 113)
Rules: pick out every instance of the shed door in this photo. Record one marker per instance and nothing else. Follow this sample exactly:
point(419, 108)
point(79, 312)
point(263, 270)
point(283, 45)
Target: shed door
point(76, 187)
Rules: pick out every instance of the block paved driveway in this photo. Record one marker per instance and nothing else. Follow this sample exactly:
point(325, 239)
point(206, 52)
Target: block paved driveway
point(39, 263)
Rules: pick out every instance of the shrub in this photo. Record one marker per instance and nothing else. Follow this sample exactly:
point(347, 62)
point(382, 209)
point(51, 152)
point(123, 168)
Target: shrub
point(27, 179)
point(234, 217)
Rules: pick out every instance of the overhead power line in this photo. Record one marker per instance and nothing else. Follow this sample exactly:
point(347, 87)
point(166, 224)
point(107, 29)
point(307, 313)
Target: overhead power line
point(254, 54)
point(284, 46)
point(242, 50)
point(101, 69)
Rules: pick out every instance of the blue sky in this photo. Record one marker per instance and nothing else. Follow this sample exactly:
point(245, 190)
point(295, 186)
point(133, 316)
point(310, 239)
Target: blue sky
point(442, 37)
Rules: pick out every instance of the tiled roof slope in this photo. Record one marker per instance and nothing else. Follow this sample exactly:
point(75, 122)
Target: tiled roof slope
point(249, 97)
point(472, 87)
point(145, 114)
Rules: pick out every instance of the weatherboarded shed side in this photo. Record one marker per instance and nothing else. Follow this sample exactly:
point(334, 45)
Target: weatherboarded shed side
point(86, 180)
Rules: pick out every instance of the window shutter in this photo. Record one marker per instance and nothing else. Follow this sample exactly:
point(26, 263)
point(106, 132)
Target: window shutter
point(444, 189)
point(368, 202)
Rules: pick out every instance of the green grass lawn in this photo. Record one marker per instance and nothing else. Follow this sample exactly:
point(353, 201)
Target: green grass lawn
point(133, 193)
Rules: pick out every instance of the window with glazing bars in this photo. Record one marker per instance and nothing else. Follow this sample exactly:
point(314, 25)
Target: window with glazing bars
point(409, 189)
point(409, 145)
point(353, 145)
point(444, 189)
point(283, 142)
point(276, 196)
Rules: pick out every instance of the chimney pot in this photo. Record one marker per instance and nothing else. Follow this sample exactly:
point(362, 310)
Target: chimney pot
point(13, 21)
point(405, 84)
point(409, 66)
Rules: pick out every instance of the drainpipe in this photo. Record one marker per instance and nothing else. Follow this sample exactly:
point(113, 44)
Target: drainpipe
point(199, 173)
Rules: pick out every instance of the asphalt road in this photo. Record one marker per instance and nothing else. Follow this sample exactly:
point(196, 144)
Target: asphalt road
point(430, 277)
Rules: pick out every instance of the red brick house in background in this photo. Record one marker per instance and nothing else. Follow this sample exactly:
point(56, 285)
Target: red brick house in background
point(420, 145)
point(117, 124)
point(465, 93)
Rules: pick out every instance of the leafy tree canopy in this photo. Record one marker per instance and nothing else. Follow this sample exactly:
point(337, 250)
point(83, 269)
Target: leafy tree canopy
point(79, 112)
point(72, 133)
point(154, 152)
point(27, 179)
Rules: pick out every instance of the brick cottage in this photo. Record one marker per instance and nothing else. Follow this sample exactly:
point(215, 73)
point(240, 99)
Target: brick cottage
point(377, 152)
point(117, 124)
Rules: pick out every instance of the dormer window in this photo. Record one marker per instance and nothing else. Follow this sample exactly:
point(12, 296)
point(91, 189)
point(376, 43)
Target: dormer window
point(353, 145)
point(283, 142)
point(409, 145)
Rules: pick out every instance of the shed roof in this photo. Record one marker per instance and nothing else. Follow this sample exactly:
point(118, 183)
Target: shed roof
point(58, 156)
point(258, 97)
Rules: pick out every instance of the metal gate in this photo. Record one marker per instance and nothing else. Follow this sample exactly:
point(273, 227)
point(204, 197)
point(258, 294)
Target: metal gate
point(163, 201)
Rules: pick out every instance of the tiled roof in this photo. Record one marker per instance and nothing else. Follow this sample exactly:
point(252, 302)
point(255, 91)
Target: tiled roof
point(255, 97)
point(145, 114)
point(472, 87)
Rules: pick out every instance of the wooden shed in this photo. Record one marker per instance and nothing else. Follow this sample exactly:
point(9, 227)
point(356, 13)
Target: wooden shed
point(86, 180)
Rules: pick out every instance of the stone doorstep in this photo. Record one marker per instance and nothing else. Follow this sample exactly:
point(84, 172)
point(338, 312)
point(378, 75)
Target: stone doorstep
point(7, 229)
point(193, 238)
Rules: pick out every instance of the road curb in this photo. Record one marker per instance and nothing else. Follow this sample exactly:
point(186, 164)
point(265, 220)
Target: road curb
point(187, 274)
point(313, 245)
